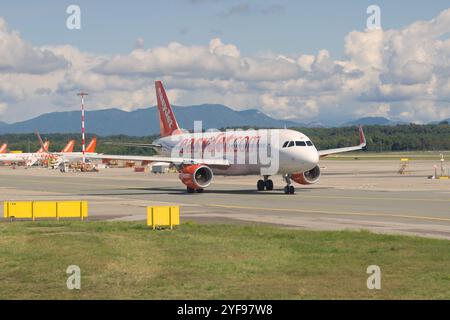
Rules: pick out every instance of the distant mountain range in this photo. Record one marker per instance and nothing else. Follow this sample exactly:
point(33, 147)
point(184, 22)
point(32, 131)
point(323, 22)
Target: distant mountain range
point(371, 121)
point(144, 122)
point(381, 121)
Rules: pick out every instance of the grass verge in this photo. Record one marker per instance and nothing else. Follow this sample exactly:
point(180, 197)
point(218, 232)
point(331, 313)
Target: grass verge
point(122, 260)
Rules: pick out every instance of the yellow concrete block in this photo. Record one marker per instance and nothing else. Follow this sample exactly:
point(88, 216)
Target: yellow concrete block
point(69, 209)
point(19, 210)
point(44, 209)
point(174, 216)
point(163, 216)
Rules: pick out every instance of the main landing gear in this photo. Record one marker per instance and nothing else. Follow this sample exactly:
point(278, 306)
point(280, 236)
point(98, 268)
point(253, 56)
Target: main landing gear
point(289, 188)
point(191, 190)
point(265, 184)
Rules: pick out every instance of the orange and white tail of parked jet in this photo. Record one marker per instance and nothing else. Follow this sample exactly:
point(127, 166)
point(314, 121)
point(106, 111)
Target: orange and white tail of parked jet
point(200, 155)
point(44, 148)
point(69, 147)
point(3, 148)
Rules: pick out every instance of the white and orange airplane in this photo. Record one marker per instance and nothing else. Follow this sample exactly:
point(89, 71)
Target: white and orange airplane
point(62, 157)
point(200, 155)
point(43, 154)
point(70, 156)
point(28, 158)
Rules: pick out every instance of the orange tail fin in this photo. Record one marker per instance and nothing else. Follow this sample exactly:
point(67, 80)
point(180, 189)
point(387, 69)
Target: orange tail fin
point(168, 123)
point(3, 148)
point(92, 146)
point(69, 147)
point(45, 149)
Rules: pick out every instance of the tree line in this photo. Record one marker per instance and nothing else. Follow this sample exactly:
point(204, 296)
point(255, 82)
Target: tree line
point(410, 137)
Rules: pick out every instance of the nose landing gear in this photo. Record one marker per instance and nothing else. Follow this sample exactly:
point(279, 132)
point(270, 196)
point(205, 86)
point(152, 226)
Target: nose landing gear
point(289, 188)
point(265, 184)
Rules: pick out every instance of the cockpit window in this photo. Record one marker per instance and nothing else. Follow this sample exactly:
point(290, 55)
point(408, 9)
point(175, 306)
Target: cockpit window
point(289, 144)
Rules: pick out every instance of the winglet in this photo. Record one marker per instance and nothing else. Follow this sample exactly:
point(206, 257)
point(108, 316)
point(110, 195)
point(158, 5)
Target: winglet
point(362, 137)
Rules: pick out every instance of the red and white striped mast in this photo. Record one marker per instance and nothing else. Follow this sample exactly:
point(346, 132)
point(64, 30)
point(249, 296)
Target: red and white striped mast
point(83, 132)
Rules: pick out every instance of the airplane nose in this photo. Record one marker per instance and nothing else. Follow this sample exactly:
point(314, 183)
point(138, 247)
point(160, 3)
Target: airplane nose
point(311, 158)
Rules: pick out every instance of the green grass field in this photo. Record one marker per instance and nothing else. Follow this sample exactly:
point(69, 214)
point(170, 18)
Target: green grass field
point(196, 261)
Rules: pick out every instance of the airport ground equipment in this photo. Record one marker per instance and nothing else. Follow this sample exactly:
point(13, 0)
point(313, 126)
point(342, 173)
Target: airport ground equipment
point(404, 166)
point(445, 172)
point(165, 216)
point(45, 210)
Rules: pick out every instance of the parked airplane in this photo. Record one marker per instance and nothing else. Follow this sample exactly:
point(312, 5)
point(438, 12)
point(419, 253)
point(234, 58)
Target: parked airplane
point(70, 156)
point(28, 158)
point(42, 154)
point(59, 158)
point(293, 153)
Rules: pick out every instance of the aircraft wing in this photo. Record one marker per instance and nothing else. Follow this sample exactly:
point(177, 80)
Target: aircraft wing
point(137, 145)
point(176, 161)
point(362, 144)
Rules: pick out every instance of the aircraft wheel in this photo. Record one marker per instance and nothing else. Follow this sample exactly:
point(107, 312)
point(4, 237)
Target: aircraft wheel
point(269, 185)
point(200, 190)
point(190, 190)
point(261, 185)
point(291, 190)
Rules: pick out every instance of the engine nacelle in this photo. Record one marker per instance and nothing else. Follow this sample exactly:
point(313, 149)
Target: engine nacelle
point(309, 177)
point(196, 176)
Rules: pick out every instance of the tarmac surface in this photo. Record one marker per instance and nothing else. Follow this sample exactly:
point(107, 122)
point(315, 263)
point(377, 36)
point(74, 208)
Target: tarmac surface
point(352, 195)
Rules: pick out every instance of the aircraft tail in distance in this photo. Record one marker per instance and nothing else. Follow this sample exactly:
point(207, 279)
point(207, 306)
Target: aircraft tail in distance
point(69, 147)
point(168, 123)
point(92, 146)
point(44, 148)
point(3, 148)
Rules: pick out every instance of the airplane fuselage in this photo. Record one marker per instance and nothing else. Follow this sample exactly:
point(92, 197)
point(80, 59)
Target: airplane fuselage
point(250, 151)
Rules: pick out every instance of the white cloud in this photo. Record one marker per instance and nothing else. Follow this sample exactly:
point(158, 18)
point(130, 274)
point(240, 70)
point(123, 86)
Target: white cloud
point(402, 74)
point(19, 56)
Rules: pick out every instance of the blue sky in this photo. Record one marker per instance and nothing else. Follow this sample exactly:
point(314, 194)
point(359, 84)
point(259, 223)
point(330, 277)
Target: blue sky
point(309, 61)
point(254, 26)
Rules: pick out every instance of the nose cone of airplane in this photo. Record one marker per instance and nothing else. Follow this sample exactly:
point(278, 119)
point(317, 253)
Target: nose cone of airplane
point(311, 158)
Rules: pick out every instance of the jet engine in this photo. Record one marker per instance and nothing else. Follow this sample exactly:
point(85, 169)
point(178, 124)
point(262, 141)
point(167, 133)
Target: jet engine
point(309, 177)
point(196, 177)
